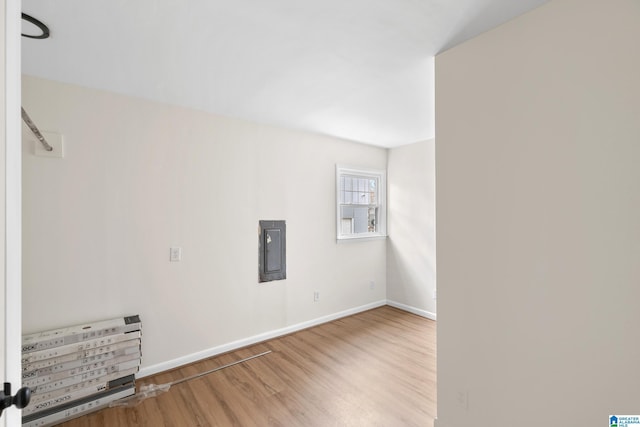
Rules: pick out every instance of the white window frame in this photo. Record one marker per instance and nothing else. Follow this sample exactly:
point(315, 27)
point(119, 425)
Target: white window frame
point(381, 176)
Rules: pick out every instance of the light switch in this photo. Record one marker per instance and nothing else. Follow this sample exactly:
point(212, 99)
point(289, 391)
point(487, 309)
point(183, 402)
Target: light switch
point(175, 254)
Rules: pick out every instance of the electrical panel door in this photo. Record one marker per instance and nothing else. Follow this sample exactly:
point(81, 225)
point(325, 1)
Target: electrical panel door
point(272, 251)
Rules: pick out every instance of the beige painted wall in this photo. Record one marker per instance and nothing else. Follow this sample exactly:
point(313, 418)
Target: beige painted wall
point(139, 177)
point(10, 213)
point(3, 146)
point(538, 144)
point(411, 246)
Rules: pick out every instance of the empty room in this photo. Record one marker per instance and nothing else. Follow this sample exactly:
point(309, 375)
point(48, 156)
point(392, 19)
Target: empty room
point(225, 213)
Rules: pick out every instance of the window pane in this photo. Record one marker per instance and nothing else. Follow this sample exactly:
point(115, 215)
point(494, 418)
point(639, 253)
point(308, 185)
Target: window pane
point(360, 220)
point(346, 212)
point(354, 198)
point(358, 190)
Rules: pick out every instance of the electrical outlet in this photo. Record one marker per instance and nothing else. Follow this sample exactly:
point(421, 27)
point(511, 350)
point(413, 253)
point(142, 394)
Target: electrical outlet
point(435, 294)
point(316, 296)
point(372, 285)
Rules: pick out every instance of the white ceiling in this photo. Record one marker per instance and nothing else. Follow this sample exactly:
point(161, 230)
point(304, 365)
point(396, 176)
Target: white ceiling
point(355, 69)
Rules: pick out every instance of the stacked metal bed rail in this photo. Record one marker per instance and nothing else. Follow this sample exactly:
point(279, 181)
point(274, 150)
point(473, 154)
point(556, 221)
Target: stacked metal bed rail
point(80, 369)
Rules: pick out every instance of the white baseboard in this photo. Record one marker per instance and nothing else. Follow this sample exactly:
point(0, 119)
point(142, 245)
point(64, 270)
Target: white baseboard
point(419, 312)
point(224, 348)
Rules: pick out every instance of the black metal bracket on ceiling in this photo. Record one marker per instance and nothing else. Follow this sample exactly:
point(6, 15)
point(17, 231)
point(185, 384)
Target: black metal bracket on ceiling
point(37, 23)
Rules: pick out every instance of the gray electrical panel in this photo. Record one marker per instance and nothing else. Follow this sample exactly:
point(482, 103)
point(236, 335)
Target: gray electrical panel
point(272, 251)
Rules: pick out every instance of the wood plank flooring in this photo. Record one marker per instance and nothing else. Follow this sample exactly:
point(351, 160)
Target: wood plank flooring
point(376, 368)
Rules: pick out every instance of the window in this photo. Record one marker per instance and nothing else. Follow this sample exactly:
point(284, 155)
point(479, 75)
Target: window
point(361, 203)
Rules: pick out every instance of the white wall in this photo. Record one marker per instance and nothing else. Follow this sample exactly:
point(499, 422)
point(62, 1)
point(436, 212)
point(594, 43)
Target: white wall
point(10, 205)
point(538, 207)
point(411, 246)
point(3, 160)
point(139, 177)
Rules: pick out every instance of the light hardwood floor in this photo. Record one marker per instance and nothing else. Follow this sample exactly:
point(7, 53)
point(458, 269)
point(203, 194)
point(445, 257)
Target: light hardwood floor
point(376, 368)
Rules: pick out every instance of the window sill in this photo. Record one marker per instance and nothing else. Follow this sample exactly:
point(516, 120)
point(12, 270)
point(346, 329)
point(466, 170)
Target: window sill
point(344, 239)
